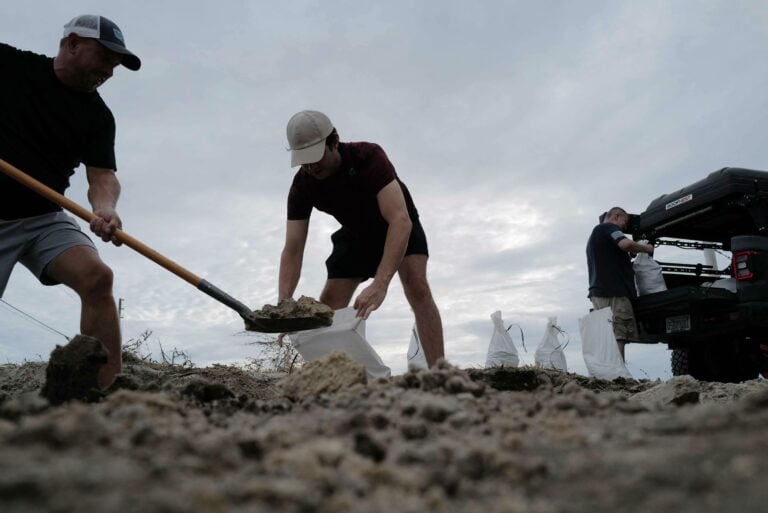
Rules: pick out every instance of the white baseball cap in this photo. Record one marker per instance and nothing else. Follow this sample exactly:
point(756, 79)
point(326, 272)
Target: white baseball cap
point(105, 32)
point(307, 131)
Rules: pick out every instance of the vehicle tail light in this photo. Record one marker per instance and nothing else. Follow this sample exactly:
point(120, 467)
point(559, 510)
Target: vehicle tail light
point(743, 264)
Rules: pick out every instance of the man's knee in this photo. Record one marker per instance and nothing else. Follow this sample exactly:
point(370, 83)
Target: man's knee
point(337, 292)
point(96, 279)
point(417, 290)
point(413, 276)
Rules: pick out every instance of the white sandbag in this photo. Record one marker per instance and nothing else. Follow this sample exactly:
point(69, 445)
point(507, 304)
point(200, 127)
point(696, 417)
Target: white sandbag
point(501, 350)
point(599, 347)
point(347, 334)
point(416, 357)
point(549, 354)
point(648, 275)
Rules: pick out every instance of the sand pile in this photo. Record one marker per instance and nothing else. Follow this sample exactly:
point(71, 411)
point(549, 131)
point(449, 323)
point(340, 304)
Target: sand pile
point(327, 375)
point(517, 440)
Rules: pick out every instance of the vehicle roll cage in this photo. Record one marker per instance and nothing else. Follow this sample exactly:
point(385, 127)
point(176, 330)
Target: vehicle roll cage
point(692, 269)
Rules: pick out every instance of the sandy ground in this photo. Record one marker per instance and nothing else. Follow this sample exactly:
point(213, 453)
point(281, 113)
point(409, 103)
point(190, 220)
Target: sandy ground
point(220, 439)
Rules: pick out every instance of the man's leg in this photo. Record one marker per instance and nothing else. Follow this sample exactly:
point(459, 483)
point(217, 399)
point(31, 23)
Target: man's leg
point(413, 275)
point(621, 343)
point(337, 292)
point(81, 269)
point(624, 323)
point(11, 245)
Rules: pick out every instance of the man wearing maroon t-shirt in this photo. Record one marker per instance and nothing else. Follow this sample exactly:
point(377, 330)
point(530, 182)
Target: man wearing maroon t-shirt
point(380, 230)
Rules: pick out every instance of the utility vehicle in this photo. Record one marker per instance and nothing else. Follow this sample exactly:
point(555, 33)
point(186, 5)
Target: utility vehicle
point(714, 319)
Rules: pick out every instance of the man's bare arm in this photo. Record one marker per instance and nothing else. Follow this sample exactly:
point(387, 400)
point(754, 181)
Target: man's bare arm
point(631, 246)
point(292, 257)
point(103, 193)
point(395, 212)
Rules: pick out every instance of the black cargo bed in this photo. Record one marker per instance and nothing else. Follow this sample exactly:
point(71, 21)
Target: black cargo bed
point(684, 297)
point(706, 312)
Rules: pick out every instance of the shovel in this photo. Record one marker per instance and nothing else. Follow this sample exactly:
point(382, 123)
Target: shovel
point(253, 322)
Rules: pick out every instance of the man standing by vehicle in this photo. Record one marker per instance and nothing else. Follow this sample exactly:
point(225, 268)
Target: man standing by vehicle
point(611, 278)
point(380, 230)
point(52, 119)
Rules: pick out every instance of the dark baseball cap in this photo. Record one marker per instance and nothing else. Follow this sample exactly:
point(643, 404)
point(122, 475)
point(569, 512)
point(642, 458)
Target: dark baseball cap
point(105, 32)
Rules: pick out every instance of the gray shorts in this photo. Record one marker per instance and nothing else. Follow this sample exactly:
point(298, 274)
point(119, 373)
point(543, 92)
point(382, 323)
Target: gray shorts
point(35, 242)
point(624, 324)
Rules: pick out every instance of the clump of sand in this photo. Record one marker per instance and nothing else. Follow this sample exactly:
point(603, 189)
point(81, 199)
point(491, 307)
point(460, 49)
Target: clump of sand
point(332, 373)
point(73, 370)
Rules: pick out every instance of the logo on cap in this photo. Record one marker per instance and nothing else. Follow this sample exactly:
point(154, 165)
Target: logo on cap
point(118, 34)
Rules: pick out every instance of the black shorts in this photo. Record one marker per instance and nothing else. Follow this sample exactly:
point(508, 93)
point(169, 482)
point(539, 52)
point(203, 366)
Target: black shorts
point(357, 257)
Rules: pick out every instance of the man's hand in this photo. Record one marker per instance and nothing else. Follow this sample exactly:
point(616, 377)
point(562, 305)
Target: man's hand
point(105, 224)
point(644, 247)
point(633, 248)
point(103, 192)
point(370, 299)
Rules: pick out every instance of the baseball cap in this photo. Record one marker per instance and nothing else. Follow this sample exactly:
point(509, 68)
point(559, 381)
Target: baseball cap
point(307, 131)
point(105, 32)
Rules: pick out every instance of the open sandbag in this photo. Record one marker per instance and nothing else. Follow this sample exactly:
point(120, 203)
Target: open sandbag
point(346, 334)
point(599, 347)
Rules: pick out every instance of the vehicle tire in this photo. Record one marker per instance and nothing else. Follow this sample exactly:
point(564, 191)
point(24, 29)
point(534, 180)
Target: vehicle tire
point(680, 362)
point(763, 359)
point(723, 361)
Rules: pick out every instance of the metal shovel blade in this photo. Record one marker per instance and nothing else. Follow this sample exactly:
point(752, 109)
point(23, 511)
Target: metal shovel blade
point(284, 324)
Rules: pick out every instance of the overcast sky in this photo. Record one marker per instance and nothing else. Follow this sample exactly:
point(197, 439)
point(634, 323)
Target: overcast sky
point(514, 125)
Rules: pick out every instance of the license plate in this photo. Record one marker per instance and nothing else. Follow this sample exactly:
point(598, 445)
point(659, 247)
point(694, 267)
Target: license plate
point(678, 323)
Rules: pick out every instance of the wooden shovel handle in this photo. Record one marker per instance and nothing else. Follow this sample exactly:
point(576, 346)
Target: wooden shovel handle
point(89, 216)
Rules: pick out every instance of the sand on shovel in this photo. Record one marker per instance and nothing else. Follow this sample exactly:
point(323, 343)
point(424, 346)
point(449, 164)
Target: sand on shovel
point(73, 370)
point(306, 313)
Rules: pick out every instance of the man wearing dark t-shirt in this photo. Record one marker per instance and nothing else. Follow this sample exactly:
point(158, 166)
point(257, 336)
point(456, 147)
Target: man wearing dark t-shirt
point(51, 121)
point(380, 231)
point(611, 278)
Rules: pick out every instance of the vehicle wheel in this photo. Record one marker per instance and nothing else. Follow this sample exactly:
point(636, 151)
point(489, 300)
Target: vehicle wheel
point(680, 362)
point(727, 362)
point(763, 366)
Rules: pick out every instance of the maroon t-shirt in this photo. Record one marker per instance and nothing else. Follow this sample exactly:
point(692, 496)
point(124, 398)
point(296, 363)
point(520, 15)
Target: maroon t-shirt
point(350, 194)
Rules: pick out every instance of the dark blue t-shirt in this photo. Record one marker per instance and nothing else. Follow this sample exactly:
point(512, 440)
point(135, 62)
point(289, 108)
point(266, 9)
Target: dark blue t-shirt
point(610, 268)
